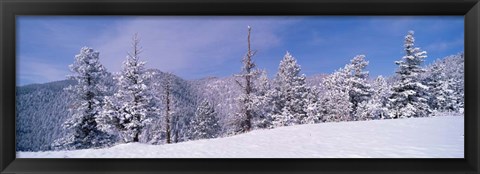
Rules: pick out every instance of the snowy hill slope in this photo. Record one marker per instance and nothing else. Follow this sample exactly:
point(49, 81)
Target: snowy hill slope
point(41, 109)
point(432, 137)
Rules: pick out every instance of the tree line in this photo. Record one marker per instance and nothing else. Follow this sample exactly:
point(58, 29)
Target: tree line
point(102, 115)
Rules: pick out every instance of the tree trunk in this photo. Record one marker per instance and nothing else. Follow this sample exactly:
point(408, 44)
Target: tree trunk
point(176, 137)
point(135, 138)
point(248, 86)
point(167, 114)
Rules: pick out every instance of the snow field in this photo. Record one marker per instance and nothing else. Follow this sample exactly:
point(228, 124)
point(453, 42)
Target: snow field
point(430, 137)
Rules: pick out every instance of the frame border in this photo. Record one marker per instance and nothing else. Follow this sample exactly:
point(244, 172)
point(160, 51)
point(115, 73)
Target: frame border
point(470, 9)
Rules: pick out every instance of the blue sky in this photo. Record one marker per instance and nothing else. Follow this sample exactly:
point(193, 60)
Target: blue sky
point(196, 47)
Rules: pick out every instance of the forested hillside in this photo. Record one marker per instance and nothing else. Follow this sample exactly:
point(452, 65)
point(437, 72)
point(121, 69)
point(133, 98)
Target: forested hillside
point(95, 108)
point(43, 108)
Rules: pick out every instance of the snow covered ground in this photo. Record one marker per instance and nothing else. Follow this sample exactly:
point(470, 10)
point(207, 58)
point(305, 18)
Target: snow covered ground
point(433, 137)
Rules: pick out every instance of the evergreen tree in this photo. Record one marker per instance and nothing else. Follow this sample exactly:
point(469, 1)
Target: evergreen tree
point(380, 98)
point(445, 78)
point(409, 96)
point(455, 70)
point(132, 106)
point(262, 119)
point(360, 90)
point(442, 95)
point(352, 80)
point(377, 106)
point(205, 124)
point(335, 102)
point(313, 107)
point(87, 96)
point(365, 110)
point(289, 94)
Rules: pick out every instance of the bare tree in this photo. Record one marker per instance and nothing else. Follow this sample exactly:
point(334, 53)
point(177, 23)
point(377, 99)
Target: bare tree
point(167, 89)
point(248, 75)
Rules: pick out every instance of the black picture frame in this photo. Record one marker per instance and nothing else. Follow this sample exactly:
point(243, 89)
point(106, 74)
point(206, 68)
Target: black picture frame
point(9, 9)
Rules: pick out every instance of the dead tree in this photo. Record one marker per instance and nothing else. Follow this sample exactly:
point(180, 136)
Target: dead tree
point(167, 87)
point(248, 75)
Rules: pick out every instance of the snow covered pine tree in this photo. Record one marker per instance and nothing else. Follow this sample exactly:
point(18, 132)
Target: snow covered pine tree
point(289, 94)
point(262, 119)
point(335, 102)
point(442, 94)
point(360, 90)
point(380, 98)
point(409, 96)
point(451, 70)
point(350, 80)
point(131, 107)
point(205, 124)
point(87, 96)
